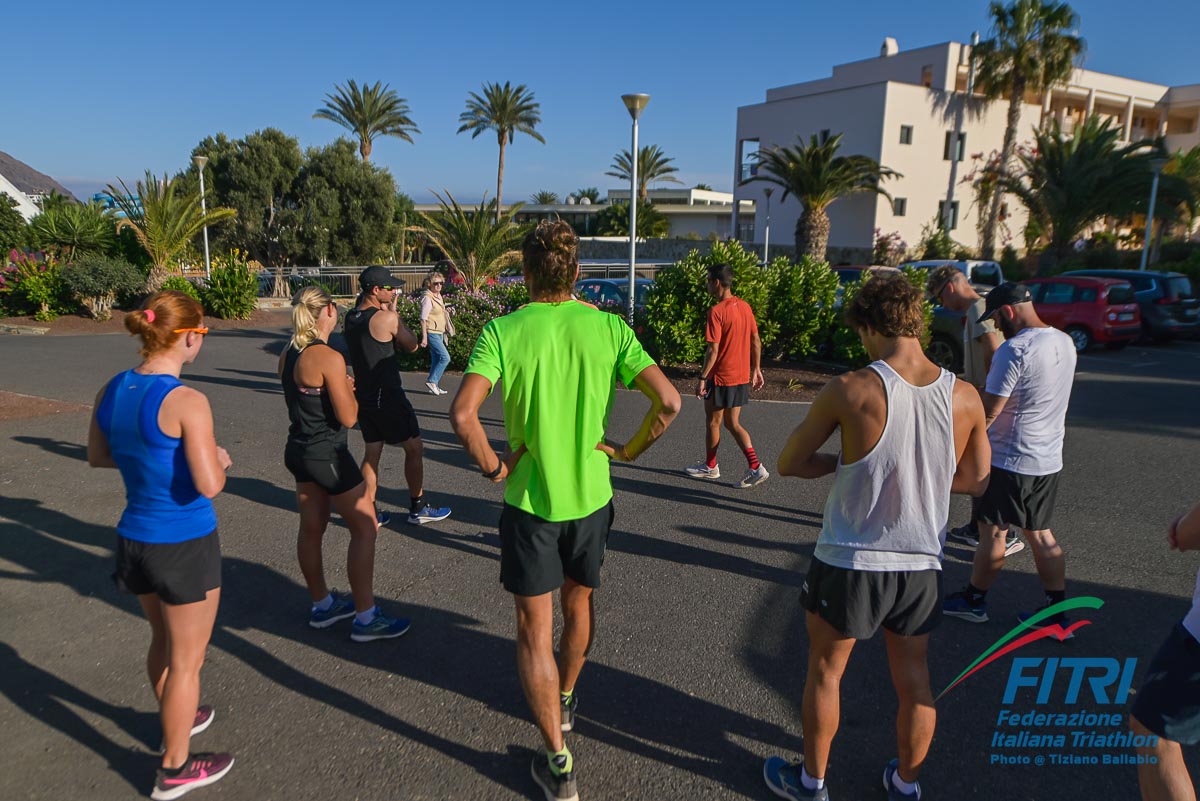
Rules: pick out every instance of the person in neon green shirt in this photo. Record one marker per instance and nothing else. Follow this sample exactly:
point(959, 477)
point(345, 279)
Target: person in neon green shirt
point(558, 362)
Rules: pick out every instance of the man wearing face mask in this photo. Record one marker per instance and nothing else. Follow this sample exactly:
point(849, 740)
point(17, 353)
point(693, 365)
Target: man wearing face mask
point(1025, 402)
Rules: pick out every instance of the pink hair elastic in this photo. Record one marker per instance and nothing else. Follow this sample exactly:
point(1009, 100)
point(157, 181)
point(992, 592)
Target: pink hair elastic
point(149, 315)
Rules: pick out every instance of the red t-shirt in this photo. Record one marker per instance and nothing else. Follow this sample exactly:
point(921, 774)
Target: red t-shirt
point(730, 327)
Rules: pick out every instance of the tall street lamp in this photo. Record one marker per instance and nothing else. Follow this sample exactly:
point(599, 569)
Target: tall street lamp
point(635, 104)
point(200, 161)
point(767, 232)
point(1157, 165)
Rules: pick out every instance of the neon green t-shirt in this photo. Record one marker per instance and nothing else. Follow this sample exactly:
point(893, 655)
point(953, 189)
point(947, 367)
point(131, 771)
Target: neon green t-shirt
point(558, 363)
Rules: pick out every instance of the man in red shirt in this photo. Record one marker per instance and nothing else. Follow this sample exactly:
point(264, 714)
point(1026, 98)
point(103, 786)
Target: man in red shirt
point(730, 369)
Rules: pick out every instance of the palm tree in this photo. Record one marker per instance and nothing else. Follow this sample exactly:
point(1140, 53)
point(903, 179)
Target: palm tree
point(544, 198)
point(73, 228)
point(368, 112)
point(507, 110)
point(590, 192)
point(1185, 166)
point(163, 222)
point(1031, 50)
point(613, 220)
point(480, 242)
point(817, 176)
point(652, 166)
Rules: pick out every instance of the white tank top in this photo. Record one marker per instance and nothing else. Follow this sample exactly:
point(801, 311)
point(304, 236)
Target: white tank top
point(888, 510)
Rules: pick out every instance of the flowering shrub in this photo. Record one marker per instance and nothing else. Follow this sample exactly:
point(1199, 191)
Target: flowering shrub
point(889, 249)
point(470, 312)
point(33, 284)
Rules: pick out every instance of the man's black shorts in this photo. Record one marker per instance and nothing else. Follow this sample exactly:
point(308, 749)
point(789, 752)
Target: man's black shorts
point(858, 602)
point(1013, 499)
point(724, 397)
point(177, 572)
point(330, 467)
point(392, 425)
point(536, 555)
point(1168, 703)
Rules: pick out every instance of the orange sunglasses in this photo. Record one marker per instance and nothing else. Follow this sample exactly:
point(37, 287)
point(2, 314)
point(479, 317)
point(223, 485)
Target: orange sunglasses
point(202, 330)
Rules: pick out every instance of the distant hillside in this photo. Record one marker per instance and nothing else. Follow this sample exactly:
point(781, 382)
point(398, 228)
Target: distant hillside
point(29, 180)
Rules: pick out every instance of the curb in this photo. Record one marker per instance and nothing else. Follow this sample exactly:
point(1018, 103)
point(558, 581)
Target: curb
point(7, 328)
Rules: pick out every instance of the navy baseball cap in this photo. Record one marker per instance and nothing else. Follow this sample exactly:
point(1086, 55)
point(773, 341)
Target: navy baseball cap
point(1007, 294)
point(378, 276)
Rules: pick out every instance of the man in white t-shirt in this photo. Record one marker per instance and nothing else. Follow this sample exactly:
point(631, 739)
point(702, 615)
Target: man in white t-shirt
point(1025, 401)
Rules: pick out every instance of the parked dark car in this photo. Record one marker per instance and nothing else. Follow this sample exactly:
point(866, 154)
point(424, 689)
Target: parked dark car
point(1167, 301)
point(612, 290)
point(1088, 308)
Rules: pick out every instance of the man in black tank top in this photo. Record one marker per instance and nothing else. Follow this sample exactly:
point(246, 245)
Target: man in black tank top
point(373, 332)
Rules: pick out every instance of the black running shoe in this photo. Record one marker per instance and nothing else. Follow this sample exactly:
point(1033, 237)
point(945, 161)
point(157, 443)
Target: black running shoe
point(557, 787)
point(568, 711)
point(200, 770)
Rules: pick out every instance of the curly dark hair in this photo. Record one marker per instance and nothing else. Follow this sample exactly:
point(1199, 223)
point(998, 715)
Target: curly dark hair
point(551, 252)
point(889, 305)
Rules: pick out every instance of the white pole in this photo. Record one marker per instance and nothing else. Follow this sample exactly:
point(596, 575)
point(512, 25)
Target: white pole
point(204, 210)
point(1150, 218)
point(633, 199)
point(767, 232)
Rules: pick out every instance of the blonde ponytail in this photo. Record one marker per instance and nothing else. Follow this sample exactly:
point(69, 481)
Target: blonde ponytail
point(307, 305)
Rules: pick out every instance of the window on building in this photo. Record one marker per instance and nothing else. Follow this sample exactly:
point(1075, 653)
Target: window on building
point(824, 135)
point(899, 206)
point(953, 213)
point(927, 75)
point(906, 134)
point(955, 148)
point(748, 159)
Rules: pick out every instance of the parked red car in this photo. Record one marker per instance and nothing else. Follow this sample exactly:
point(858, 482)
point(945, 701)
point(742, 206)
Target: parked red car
point(1089, 309)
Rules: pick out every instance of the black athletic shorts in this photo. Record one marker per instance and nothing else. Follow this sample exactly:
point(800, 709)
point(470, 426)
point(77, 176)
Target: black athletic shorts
point(392, 425)
point(727, 397)
point(858, 602)
point(1012, 499)
point(177, 572)
point(1168, 702)
point(331, 468)
point(537, 555)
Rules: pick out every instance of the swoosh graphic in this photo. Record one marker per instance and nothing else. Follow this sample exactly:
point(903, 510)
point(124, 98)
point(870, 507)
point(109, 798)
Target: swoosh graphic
point(1056, 631)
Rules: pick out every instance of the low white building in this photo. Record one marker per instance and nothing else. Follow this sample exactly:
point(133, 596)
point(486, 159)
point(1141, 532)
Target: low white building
point(907, 111)
point(25, 204)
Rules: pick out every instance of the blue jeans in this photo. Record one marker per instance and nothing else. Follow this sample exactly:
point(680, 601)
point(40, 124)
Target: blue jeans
point(439, 357)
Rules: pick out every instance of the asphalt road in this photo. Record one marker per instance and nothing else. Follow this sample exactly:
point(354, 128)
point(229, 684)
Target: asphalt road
point(700, 656)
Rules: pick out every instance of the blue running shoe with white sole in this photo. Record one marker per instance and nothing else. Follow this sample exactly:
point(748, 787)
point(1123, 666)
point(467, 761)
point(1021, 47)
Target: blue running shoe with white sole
point(428, 514)
point(341, 608)
point(960, 606)
point(783, 778)
point(893, 792)
point(380, 628)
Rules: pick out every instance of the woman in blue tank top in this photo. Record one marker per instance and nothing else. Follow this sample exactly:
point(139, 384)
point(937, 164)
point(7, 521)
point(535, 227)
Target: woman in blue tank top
point(159, 434)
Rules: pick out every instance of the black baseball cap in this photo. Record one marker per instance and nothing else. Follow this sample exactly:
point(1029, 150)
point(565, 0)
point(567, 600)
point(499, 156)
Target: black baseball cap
point(1007, 294)
point(378, 276)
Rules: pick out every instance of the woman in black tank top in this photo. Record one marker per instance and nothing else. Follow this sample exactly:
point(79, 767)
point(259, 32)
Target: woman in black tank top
point(321, 407)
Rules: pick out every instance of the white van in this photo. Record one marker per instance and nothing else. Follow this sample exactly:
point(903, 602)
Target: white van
point(981, 274)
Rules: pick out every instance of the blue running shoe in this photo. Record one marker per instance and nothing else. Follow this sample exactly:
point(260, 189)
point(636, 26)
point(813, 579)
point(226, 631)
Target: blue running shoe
point(960, 606)
point(783, 778)
point(428, 514)
point(382, 518)
point(341, 608)
point(381, 628)
point(893, 793)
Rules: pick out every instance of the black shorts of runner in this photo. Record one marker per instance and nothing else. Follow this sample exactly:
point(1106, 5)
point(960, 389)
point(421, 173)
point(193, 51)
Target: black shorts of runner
point(858, 602)
point(331, 468)
point(177, 572)
point(1012, 499)
point(537, 556)
point(1168, 702)
point(392, 425)
point(724, 397)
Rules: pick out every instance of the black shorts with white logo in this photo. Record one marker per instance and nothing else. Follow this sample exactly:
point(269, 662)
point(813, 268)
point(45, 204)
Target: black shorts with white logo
point(1013, 499)
point(1168, 703)
point(858, 602)
point(537, 555)
point(724, 397)
point(177, 572)
point(331, 467)
point(392, 425)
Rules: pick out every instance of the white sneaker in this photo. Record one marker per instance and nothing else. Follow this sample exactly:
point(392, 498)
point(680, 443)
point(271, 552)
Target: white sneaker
point(702, 470)
point(1013, 544)
point(441, 391)
point(754, 477)
point(432, 387)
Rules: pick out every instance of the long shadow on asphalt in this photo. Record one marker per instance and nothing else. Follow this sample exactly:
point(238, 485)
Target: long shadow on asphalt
point(1112, 406)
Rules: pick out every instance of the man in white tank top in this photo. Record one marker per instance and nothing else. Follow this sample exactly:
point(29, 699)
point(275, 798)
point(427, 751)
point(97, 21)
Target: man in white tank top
point(910, 435)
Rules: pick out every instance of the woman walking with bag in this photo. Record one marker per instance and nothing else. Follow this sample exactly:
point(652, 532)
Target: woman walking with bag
point(436, 327)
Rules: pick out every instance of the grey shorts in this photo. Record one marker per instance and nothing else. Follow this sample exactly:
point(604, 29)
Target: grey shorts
point(723, 397)
point(1013, 499)
point(858, 602)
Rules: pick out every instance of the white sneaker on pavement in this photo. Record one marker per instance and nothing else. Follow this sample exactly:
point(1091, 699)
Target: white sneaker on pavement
point(702, 470)
point(753, 477)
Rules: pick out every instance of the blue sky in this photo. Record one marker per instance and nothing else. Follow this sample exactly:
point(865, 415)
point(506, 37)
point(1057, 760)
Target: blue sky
point(113, 89)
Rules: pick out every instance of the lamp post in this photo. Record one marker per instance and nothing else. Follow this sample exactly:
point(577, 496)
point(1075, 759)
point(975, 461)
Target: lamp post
point(200, 161)
point(635, 103)
point(1157, 165)
point(767, 231)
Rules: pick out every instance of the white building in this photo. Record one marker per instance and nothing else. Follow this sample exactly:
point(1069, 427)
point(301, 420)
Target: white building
point(906, 110)
point(25, 204)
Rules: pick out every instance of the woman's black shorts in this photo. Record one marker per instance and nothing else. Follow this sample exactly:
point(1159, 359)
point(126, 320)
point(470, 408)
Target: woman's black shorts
point(330, 467)
point(177, 572)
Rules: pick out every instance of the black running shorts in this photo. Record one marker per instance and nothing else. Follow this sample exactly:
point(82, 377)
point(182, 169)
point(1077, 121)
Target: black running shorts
point(1013, 499)
point(392, 425)
point(1168, 703)
point(536, 555)
point(177, 572)
point(727, 397)
point(331, 468)
point(858, 602)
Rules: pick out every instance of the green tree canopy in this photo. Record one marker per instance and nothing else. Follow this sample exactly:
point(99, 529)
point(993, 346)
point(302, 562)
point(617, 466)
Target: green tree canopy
point(613, 220)
point(653, 166)
point(506, 111)
point(13, 233)
point(368, 112)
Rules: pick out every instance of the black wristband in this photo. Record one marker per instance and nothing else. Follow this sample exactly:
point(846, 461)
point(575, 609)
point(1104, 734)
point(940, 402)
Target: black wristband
point(495, 472)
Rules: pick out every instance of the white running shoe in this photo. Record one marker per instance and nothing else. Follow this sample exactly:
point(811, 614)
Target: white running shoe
point(754, 477)
point(432, 387)
point(702, 470)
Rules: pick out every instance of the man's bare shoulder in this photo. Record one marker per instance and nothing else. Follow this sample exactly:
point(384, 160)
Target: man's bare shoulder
point(966, 398)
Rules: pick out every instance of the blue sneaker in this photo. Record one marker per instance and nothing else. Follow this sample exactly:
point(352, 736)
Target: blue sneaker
point(960, 606)
point(1060, 620)
point(783, 778)
point(428, 514)
point(381, 628)
point(382, 518)
point(341, 608)
point(893, 793)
